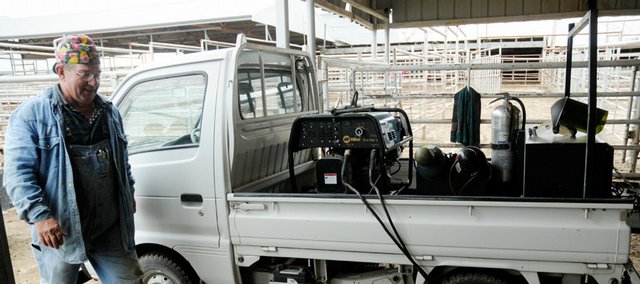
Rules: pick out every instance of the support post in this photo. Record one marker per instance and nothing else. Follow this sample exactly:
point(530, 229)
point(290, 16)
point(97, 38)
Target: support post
point(590, 18)
point(13, 64)
point(324, 83)
point(311, 32)
point(636, 137)
point(374, 43)
point(634, 72)
point(387, 53)
point(282, 22)
point(150, 47)
point(593, 85)
point(387, 44)
point(425, 61)
point(567, 71)
point(6, 270)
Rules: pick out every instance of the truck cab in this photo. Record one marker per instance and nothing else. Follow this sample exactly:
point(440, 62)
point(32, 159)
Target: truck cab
point(199, 126)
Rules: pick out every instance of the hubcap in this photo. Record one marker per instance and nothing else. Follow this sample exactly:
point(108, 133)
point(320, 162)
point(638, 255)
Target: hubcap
point(157, 277)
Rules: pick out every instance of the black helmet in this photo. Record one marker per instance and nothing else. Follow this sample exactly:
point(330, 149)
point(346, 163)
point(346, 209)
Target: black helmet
point(470, 161)
point(431, 162)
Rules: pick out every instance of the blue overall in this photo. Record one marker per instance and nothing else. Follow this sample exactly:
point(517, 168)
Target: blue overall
point(97, 199)
point(96, 193)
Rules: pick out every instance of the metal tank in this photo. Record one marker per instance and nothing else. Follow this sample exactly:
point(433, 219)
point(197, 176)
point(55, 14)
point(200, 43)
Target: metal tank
point(505, 122)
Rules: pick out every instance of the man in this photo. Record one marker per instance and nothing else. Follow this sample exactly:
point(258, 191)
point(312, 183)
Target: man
point(68, 175)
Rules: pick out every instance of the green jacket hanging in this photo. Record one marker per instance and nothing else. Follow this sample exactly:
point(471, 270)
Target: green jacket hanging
point(465, 122)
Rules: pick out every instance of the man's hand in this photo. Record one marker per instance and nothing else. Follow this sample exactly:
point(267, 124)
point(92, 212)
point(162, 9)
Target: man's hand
point(50, 232)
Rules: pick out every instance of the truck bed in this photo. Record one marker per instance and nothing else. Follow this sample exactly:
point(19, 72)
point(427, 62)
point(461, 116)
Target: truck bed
point(339, 227)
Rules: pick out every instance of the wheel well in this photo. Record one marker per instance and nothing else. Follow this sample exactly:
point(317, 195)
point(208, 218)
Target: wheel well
point(143, 249)
point(509, 275)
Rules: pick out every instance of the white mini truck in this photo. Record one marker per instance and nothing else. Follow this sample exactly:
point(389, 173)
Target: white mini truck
point(240, 178)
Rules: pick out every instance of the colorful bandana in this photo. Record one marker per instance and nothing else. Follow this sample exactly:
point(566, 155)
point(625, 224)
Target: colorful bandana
point(76, 49)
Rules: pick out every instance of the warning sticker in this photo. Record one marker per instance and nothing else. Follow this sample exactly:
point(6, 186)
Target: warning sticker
point(330, 178)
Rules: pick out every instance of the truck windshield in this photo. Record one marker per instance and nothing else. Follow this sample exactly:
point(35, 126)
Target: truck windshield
point(164, 112)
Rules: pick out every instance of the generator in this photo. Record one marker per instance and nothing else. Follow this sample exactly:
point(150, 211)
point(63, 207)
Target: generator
point(373, 138)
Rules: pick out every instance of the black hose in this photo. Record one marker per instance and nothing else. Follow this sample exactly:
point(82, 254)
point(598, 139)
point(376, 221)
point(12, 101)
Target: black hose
point(398, 243)
point(384, 206)
point(292, 173)
point(524, 111)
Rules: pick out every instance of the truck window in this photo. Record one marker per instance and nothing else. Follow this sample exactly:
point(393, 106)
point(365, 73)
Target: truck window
point(164, 112)
point(285, 99)
point(250, 93)
point(272, 83)
point(280, 95)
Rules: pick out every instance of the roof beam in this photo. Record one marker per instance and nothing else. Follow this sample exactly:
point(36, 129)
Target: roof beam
point(325, 4)
point(367, 10)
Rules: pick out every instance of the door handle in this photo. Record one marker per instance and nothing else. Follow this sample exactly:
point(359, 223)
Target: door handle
point(191, 198)
point(244, 206)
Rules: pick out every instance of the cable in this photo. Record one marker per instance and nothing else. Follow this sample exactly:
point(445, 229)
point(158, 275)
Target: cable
point(400, 245)
point(464, 186)
point(618, 191)
point(399, 167)
point(450, 181)
point(292, 172)
point(384, 206)
point(404, 248)
point(376, 182)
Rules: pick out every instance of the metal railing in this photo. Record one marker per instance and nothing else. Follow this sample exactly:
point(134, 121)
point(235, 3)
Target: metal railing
point(431, 111)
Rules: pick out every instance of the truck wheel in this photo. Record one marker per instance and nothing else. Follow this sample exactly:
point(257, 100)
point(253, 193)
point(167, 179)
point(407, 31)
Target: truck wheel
point(159, 269)
point(472, 278)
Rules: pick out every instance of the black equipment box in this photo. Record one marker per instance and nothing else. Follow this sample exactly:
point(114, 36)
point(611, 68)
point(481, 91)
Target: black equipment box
point(329, 174)
point(291, 275)
point(554, 166)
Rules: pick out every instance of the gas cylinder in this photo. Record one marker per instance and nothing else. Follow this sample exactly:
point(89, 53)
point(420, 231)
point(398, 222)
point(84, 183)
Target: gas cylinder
point(505, 122)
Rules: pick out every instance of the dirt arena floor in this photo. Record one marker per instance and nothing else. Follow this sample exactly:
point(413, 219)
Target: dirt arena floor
point(25, 270)
point(635, 250)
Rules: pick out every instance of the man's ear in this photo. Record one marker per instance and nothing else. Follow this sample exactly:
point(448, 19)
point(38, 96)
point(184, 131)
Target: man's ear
point(60, 70)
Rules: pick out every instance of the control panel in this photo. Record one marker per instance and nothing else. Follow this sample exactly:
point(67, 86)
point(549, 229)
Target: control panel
point(348, 130)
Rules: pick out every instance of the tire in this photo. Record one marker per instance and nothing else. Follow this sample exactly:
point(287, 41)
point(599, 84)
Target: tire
point(472, 278)
point(159, 269)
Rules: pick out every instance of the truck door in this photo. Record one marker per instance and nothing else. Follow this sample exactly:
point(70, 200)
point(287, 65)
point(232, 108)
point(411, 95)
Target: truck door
point(162, 117)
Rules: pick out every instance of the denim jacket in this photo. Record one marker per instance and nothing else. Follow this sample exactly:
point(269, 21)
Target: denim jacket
point(38, 176)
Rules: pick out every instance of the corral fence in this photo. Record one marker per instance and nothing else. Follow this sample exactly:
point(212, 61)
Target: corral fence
point(426, 90)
